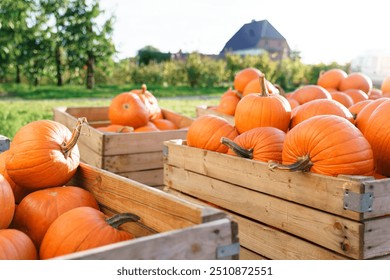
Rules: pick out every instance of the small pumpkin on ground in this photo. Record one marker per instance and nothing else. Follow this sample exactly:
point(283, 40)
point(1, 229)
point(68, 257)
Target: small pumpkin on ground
point(83, 228)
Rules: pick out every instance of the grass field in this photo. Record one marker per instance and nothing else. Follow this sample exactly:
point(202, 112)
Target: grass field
point(18, 106)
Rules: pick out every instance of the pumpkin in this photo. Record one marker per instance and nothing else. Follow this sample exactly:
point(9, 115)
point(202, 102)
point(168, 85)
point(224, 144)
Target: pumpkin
point(260, 143)
point(263, 109)
point(127, 109)
point(319, 107)
point(356, 94)
point(356, 80)
point(43, 154)
point(206, 131)
point(357, 107)
point(16, 245)
point(375, 94)
point(385, 86)
point(83, 228)
point(329, 145)
point(331, 79)
point(17, 190)
point(7, 203)
point(361, 120)
point(115, 128)
point(36, 212)
point(254, 86)
point(164, 124)
point(244, 76)
point(228, 102)
point(342, 97)
point(150, 102)
point(150, 126)
point(307, 93)
point(377, 132)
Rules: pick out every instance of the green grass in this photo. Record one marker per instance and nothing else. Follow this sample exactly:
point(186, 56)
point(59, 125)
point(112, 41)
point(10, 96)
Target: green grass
point(21, 104)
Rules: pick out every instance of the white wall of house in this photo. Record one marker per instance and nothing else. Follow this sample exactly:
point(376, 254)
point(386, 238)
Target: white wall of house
point(373, 63)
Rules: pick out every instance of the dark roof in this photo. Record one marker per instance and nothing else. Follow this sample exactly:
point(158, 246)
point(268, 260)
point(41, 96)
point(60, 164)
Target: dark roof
point(249, 35)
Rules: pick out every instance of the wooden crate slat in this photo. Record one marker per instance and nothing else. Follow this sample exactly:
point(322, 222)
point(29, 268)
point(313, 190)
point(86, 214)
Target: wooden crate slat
point(152, 177)
point(133, 162)
point(376, 237)
point(336, 233)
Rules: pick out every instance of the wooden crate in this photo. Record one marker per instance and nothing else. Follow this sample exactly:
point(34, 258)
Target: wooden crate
point(169, 228)
point(133, 155)
point(286, 215)
point(206, 110)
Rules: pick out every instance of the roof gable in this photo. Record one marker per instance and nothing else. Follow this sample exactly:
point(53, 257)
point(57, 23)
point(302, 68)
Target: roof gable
point(249, 35)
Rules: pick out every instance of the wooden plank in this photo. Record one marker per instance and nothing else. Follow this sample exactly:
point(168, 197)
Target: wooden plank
point(246, 254)
point(153, 206)
point(133, 162)
point(380, 190)
point(318, 191)
point(152, 177)
point(327, 230)
point(206, 110)
point(376, 237)
point(192, 243)
point(93, 114)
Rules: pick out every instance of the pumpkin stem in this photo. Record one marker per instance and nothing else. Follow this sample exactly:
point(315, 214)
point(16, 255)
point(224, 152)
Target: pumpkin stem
point(302, 164)
point(143, 88)
point(238, 150)
point(68, 146)
point(118, 219)
point(264, 90)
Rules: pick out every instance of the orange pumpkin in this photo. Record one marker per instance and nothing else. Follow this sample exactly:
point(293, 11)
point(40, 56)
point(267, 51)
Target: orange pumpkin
point(319, 107)
point(385, 86)
point(356, 80)
point(244, 76)
point(254, 86)
point(150, 126)
point(16, 245)
point(357, 107)
point(43, 154)
point(115, 128)
point(307, 93)
point(228, 102)
point(361, 120)
point(37, 211)
point(342, 97)
point(164, 124)
point(150, 102)
point(356, 94)
point(331, 79)
point(83, 228)
point(206, 131)
point(127, 109)
point(7, 203)
point(260, 143)
point(329, 145)
point(375, 94)
point(257, 110)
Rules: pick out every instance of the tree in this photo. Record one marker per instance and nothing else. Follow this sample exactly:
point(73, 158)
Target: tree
point(86, 41)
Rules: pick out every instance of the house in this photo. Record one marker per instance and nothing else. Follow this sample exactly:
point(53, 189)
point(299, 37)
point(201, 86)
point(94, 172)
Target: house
point(374, 63)
point(255, 38)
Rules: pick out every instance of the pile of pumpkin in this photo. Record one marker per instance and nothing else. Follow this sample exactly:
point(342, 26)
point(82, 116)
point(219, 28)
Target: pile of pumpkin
point(42, 217)
point(311, 129)
point(136, 111)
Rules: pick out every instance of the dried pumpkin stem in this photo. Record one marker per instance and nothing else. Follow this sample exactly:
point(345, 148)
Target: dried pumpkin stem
point(118, 219)
point(302, 164)
point(68, 146)
point(264, 90)
point(238, 150)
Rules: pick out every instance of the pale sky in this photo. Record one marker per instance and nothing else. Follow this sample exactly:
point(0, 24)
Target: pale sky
point(322, 31)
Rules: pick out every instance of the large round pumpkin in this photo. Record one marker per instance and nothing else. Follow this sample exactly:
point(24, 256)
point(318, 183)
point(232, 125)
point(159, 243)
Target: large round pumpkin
point(206, 131)
point(83, 228)
point(43, 154)
point(307, 93)
point(329, 145)
point(16, 245)
point(356, 80)
point(36, 212)
point(263, 109)
point(331, 79)
point(7, 203)
point(150, 102)
point(128, 109)
point(260, 143)
point(244, 76)
point(377, 132)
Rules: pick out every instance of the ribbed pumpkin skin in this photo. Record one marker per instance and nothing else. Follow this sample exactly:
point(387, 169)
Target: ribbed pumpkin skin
point(206, 131)
point(79, 229)
point(356, 80)
point(361, 120)
point(342, 97)
point(164, 124)
point(266, 142)
point(331, 78)
point(307, 93)
point(335, 146)
point(357, 107)
point(244, 76)
point(255, 110)
point(319, 107)
point(7, 203)
point(150, 102)
point(128, 109)
point(36, 159)
point(16, 245)
point(36, 212)
point(385, 86)
point(377, 133)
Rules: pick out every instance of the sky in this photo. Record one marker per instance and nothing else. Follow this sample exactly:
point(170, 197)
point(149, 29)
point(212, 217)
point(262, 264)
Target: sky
point(322, 31)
